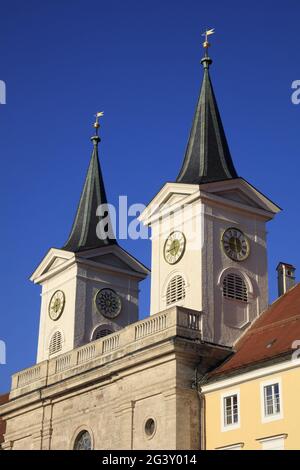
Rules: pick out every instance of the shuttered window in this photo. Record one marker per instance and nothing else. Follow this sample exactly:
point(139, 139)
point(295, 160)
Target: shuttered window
point(234, 287)
point(55, 343)
point(175, 289)
point(101, 332)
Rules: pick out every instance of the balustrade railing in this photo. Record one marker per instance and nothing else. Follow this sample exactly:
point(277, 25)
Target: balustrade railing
point(28, 376)
point(151, 326)
point(86, 353)
point(172, 320)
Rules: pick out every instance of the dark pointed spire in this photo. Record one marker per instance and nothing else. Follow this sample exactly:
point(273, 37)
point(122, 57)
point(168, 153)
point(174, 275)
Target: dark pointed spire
point(83, 235)
point(207, 156)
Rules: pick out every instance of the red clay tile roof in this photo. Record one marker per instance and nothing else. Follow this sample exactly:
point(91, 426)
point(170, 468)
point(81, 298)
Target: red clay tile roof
point(3, 399)
point(270, 336)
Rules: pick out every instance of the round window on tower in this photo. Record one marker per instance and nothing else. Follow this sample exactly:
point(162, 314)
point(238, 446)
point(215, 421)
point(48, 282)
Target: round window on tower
point(150, 427)
point(108, 303)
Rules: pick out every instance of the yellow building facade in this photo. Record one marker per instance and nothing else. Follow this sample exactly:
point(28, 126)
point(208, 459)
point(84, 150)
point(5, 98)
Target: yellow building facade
point(251, 401)
point(258, 410)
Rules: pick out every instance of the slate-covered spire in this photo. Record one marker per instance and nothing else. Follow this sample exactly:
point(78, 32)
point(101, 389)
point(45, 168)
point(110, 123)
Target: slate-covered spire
point(207, 156)
point(83, 235)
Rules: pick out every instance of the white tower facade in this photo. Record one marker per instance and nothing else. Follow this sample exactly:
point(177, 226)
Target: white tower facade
point(208, 277)
point(209, 247)
point(90, 287)
point(109, 274)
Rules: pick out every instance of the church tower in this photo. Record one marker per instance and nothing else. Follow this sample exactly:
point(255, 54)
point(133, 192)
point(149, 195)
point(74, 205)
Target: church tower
point(90, 286)
point(209, 247)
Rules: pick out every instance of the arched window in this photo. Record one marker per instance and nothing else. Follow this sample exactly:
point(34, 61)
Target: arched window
point(175, 289)
point(102, 331)
point(83, 441)
point(234, 287)
point(55, 343)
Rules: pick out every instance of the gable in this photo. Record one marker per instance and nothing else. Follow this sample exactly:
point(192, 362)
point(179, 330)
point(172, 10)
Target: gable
point(242, 193)
point(56, 262)
point(238, 196)
point(173, 199)
point(111, 260)
point(169, 198)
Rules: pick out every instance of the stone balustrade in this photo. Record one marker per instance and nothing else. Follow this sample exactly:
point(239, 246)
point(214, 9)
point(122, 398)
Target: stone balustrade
point(28, 376)
point(151, 325)
point(175, 321)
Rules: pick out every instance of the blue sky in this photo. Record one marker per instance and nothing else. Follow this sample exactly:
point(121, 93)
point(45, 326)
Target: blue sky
point(139, 61)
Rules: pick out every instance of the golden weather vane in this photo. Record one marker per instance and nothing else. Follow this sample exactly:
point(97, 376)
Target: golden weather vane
point(207, 33)
point(96, 123)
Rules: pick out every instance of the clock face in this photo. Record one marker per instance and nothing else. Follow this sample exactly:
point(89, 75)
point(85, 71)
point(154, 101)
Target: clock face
point(235, 244)
point(174, 247)
point(57, 305)
point(108, 303)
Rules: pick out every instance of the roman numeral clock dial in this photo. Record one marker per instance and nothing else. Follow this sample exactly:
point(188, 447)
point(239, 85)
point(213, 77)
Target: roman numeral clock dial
point(235, 244)
point(174, 247)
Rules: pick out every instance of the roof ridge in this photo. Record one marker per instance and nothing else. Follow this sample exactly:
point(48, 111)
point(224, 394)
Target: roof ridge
point(216, 373)
point(274, 324)
point(262, 314)
point(257, 344)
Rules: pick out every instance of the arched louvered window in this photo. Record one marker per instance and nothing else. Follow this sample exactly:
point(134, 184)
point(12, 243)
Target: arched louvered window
point(175, 289)
point(234, 287)
point(55, 343)
point(101, 331)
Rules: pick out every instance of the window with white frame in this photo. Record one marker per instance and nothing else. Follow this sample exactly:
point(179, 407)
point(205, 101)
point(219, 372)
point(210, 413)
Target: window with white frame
point(273, 442)
point(234, 287)
point(175, 290)
point(238, 446)
point(271, 399)
point(230, 410)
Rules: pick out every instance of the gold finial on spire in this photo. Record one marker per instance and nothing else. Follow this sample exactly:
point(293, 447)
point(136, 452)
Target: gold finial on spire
point(207, 33)
point(96, 123)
